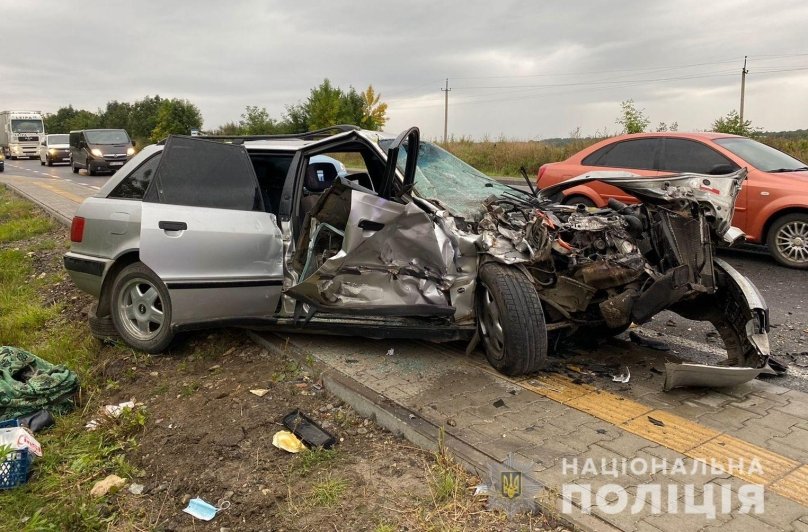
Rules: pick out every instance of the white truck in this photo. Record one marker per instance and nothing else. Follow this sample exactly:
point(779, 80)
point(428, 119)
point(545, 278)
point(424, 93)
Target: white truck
point(20, 133)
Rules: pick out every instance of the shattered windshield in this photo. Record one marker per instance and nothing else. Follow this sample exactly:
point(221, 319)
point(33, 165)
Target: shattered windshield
point(449, 182)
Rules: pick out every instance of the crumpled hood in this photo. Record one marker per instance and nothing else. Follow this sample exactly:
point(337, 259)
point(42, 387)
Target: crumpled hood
point(716, 194)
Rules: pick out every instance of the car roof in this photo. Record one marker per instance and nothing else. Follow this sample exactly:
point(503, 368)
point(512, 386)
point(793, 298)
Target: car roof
point(699, 135)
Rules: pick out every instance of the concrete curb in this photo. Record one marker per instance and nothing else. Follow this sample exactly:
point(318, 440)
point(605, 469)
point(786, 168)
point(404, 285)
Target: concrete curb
point(59, 217)
point(419, 431)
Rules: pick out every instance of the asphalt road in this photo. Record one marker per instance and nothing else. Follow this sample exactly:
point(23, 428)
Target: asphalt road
point(32, 168)
point(785, 290)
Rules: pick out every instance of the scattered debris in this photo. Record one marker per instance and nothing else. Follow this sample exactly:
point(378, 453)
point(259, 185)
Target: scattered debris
point(111, 484)
point(283, 439)
point(451, 422)
point(600, 431)
point(115, 411)
point(656, 422)
point(499, 403)
point(111, 412)
point(651, 343)
point(38, 421)
point(260, 392)
point(18, 439)
point(136, 489)
point(203, 510)
point(623, 377)
point(670, 323)
point(29, 384)
point(391, 352)
point(307, 430)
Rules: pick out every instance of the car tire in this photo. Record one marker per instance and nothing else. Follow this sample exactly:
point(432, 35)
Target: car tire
point(575, 200)
point(90, 171)
point(74, 167)
point(102, 328)
point(49, 161)
point(510, 320)
point(41, 162)
point(787, 240)
point(141, 309)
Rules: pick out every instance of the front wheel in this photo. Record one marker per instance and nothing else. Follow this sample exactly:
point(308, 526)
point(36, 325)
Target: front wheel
point(142, 309)
point(575, 200)
point(788, 240)
point(510, 320)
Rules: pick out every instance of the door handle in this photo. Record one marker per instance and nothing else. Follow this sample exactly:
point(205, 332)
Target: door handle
point(172, 226)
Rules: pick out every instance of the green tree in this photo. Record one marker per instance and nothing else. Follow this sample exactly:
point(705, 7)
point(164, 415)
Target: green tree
point(632, 119)
point(256, 121)
point(84, 120)
point(374, 112)
point(295, 119)
point(116, 115)
point(143, 117)
point(351, 108)
point(731, 123)
point(59, 121)
point(176, 116)
point(324, 106)
point(229, 129)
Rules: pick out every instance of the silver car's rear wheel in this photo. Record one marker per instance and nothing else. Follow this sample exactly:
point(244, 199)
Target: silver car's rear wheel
point(788, 240)
point(142, 309)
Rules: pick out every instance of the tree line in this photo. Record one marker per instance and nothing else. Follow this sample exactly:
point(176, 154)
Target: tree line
point(635, 120)
point(153, 118)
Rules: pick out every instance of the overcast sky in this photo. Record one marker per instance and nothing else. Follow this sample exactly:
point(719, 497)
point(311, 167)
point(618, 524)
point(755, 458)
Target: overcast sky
point(526, 70)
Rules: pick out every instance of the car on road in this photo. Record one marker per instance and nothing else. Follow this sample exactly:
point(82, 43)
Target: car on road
point(54, 148)
point(100, 150)
point(772, 207)
point(255, 232)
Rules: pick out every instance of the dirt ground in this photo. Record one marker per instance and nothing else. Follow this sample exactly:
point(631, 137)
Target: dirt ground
point(206, 435)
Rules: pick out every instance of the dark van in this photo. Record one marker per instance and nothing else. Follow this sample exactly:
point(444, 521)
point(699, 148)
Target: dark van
point(100, 150)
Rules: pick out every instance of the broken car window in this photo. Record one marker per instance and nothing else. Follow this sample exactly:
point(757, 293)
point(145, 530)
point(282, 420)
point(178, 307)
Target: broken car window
point(449, 182)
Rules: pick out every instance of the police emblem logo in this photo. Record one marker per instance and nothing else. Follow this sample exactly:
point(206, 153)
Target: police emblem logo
point(511, 484)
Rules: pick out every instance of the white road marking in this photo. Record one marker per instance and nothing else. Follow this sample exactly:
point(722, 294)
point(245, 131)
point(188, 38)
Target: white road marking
point(95, 187)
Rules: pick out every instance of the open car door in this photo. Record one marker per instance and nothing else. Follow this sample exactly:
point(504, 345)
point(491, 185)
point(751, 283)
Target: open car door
point(375, 253)
point(206, 234)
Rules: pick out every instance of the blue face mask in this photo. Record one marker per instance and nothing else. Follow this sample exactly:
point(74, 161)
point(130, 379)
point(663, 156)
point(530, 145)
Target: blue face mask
point(202, 510)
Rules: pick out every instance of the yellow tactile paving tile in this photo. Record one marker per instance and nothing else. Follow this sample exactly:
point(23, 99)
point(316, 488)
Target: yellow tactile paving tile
point(793, 486)
point(782, 475)
point(671, 431)
point(744, 460)
point(609, 407)
point(556, 387)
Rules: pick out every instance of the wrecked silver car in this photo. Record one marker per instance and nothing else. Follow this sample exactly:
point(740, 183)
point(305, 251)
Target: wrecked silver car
point(255, 232)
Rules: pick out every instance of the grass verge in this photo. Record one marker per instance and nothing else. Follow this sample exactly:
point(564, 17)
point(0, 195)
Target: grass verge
point(57, 495)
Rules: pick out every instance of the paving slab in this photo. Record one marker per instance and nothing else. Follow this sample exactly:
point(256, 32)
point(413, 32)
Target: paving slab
point(594, 436)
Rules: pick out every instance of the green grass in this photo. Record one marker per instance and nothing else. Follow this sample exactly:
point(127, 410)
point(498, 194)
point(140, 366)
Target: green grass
point(314, 458)
point(328, 491)
point(57, 495)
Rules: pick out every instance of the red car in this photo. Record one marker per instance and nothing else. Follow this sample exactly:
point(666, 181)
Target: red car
point(771, 209)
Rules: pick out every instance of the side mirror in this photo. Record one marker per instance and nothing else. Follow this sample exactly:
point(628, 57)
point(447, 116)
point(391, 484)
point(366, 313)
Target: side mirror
point(721, 169)
point(43, 143)
point(134, 143)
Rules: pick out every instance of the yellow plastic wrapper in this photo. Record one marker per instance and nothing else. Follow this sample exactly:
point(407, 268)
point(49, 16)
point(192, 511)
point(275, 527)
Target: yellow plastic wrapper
point(283, 439)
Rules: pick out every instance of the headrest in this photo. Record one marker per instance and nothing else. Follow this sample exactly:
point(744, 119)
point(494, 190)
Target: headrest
point(320, 176)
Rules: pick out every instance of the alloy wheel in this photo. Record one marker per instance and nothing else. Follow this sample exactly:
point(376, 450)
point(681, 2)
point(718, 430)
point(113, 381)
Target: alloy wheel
point(140, 309)
point(792, 241)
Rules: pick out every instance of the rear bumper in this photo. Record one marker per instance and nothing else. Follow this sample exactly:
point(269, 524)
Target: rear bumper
point(87, 272)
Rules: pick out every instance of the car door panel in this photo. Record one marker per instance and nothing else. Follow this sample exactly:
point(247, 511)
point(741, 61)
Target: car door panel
point(392, 259)
point(217, 263)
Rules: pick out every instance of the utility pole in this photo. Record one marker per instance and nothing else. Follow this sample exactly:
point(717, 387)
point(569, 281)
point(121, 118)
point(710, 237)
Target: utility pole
point(446, 114)
point(744, 72)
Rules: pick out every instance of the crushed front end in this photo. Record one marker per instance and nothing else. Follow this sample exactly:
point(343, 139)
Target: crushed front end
point(600, 270)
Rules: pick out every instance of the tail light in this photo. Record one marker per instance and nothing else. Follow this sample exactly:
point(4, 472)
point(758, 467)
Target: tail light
point(77, 229)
